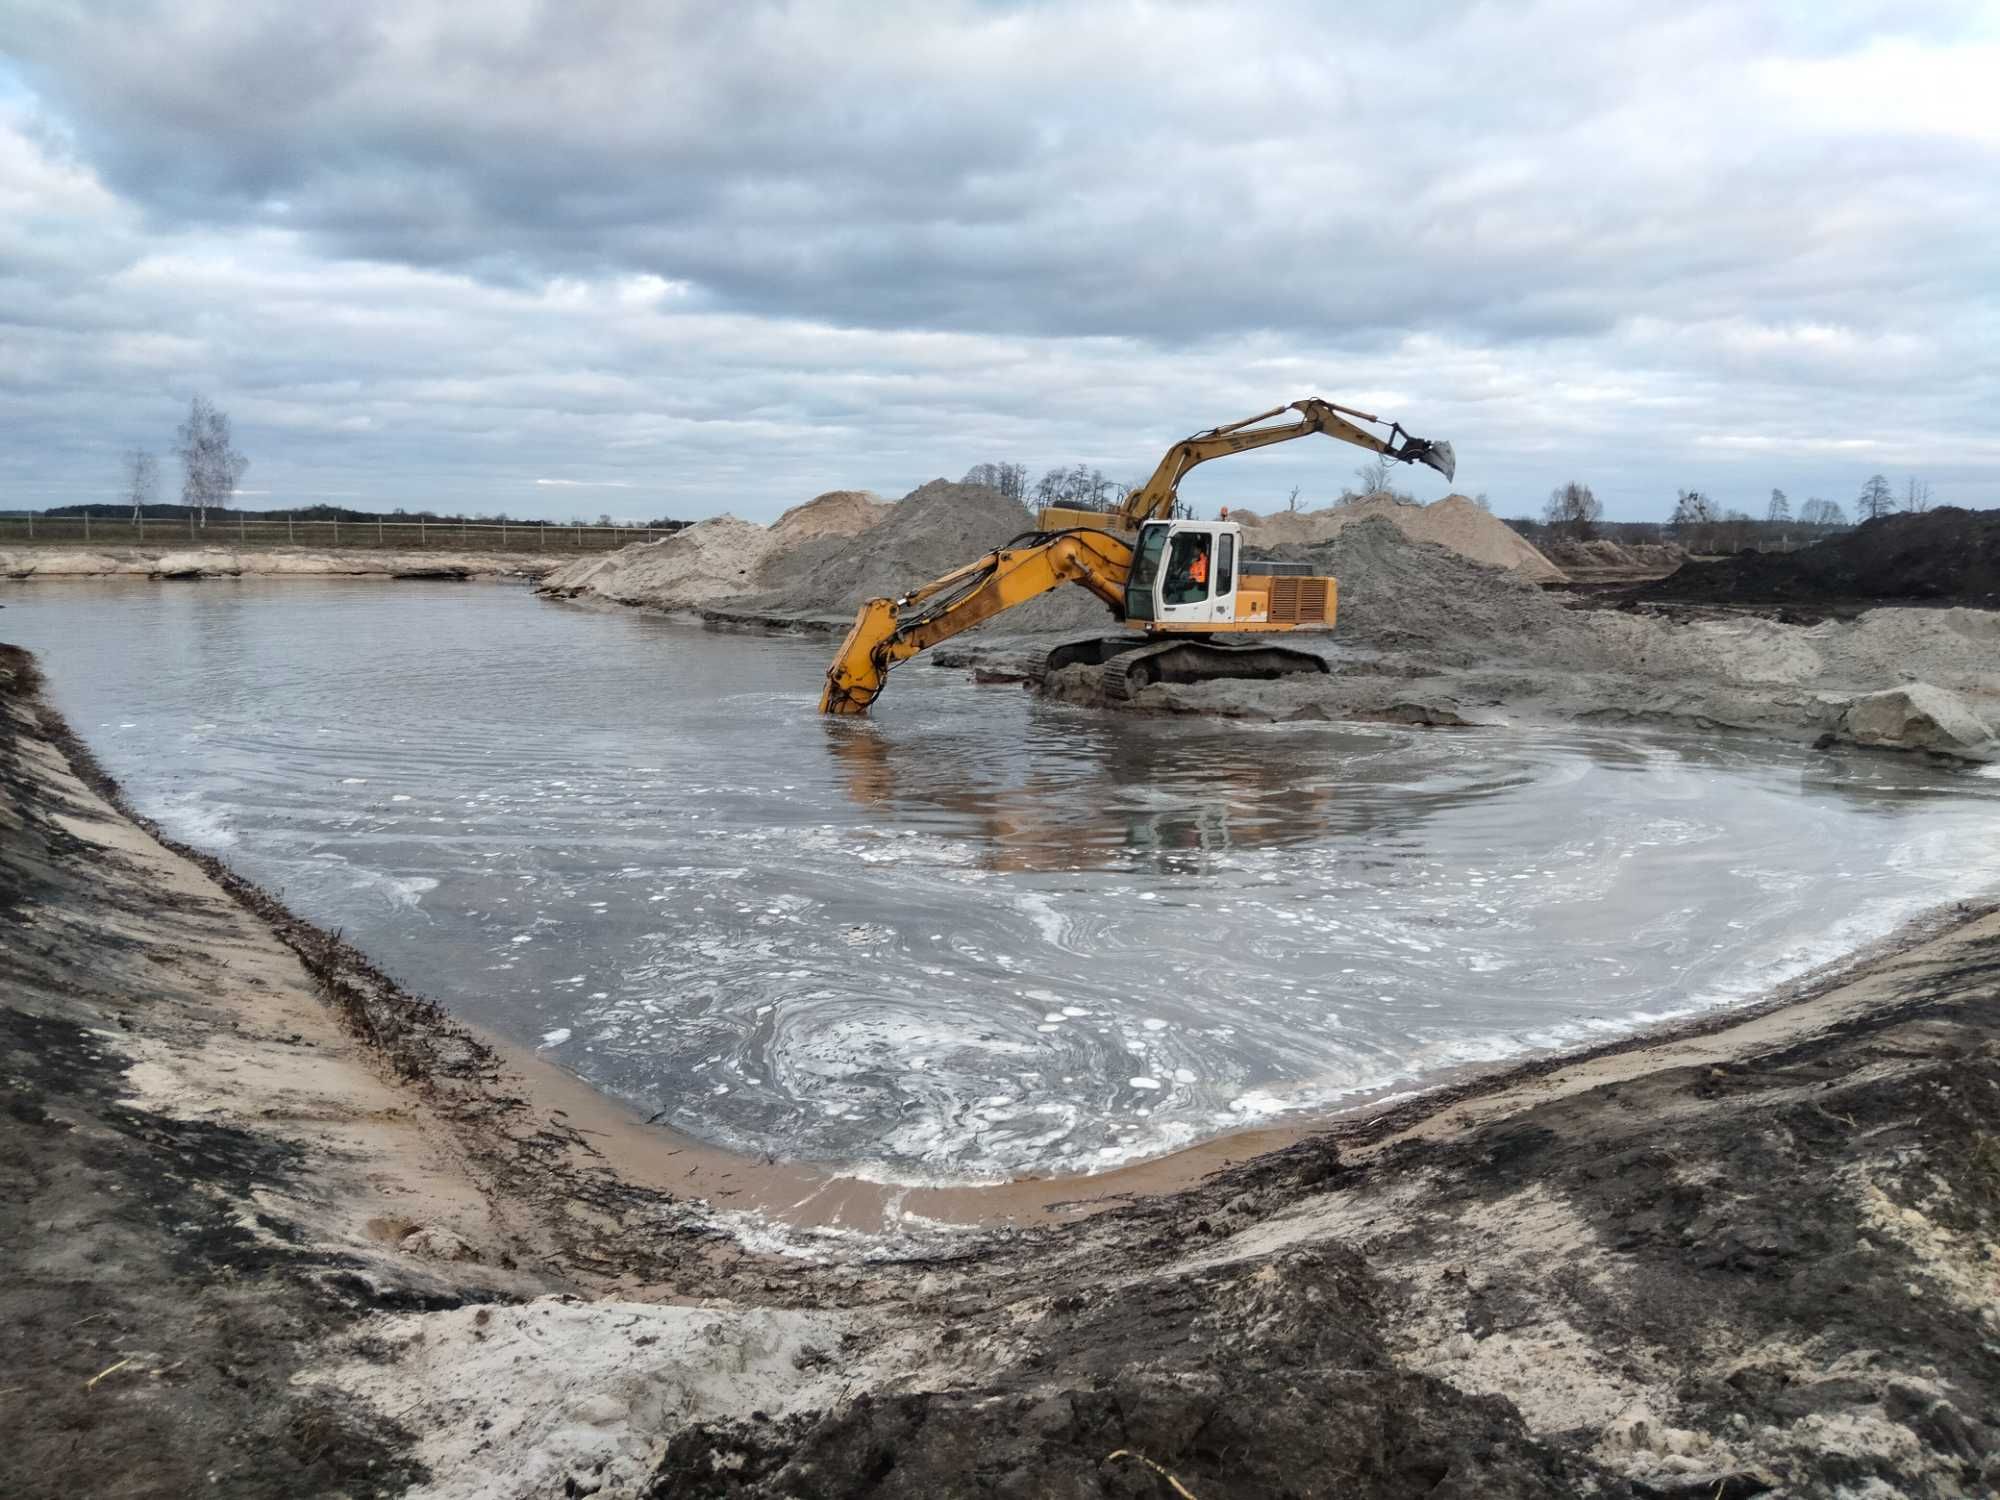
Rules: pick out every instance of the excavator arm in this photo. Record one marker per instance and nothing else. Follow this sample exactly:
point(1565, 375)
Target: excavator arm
point(883, 633)
point(1154, 500)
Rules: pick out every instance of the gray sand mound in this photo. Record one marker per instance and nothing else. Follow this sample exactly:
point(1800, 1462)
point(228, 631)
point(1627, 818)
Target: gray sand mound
point(926, 534)
point(1395, 591)
point(1455, 522)
point(719, 559)
point(930, 531)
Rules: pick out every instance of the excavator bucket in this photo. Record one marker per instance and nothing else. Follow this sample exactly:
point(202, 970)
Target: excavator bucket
point(1437, 455)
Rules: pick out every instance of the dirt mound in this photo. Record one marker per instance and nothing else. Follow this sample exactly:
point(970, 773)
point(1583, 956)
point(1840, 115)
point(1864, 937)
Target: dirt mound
point(721, 558)
point(1454, 522)
point(1948, 554)
point(836, 513)
point(930, 531)
point(710, 560)
point(1606, 559)
point(1397, 590)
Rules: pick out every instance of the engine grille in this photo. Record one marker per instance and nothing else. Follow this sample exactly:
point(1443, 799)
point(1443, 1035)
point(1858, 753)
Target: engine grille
point(1300, 601)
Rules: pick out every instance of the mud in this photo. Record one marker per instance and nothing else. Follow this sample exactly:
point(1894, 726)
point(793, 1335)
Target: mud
point(1749, 1256)
point(1946, 556)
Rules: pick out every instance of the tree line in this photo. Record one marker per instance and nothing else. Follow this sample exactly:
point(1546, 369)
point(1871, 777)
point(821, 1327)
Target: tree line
point(1573, 511)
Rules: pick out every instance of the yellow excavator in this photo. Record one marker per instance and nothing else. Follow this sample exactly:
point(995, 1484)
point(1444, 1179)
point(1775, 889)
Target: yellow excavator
point(1192, 601)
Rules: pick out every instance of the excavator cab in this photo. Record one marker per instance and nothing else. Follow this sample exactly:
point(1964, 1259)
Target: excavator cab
point(1183, 574)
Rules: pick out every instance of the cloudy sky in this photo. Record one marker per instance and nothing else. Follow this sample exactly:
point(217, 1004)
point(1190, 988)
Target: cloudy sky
point(581, 256)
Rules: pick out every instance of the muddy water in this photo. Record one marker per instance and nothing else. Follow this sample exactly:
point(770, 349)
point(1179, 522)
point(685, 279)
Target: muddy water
point(978, 934)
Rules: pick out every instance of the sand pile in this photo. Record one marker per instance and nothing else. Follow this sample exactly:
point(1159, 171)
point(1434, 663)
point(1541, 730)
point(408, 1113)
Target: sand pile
point(836, 513)
point(1945, 555)
point(719, 559)
point(926, 534)
point(930, 531)
point(713, 559)
point(1395, 591)
point(1454, 522)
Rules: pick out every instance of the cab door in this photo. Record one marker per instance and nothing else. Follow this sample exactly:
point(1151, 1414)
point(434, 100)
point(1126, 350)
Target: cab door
point(1186, 591)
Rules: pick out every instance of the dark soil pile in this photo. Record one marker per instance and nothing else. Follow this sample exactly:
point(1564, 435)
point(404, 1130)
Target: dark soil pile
point(1948, 555)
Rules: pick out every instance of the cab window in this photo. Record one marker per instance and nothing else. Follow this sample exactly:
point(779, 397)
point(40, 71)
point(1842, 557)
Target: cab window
point(1225, 565)
point(1145, 568)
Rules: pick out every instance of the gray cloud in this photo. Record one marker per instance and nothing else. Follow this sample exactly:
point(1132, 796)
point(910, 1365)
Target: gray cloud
point(724, 253)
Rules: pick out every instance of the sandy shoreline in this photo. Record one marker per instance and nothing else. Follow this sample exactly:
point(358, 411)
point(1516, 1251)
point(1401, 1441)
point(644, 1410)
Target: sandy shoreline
point(1747, 1253)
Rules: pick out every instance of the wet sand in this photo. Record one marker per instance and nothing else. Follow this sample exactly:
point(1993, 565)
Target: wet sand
point(273, 1227)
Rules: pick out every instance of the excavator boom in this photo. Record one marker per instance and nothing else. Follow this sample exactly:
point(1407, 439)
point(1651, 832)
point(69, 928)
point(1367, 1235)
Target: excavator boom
point(1155, 498)
point(1093, 553)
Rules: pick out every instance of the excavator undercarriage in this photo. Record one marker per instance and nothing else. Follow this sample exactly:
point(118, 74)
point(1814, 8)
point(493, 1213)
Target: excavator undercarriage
point(1133, 663)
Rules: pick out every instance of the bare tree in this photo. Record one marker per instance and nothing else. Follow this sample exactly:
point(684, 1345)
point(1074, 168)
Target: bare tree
point(1011, 480)
point(1483, 503)
point(1292, 500)
point(142, 479)
point(1818, 512)
point(213, 468)
point(1781, 508)
point(1916, 496)
point(1373, 476)
point(1573, 510)
point(1877, 499)
point(1694, 521)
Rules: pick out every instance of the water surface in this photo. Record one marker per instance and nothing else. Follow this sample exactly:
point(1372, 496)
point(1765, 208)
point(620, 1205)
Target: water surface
point(977, 934)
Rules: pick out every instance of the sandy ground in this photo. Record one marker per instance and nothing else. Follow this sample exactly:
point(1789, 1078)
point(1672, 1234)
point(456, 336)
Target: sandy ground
point(269, 1227)
point(45, 563)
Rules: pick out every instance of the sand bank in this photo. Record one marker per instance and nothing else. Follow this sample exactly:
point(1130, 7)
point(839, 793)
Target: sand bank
point(42, 563)
point(311, 1237)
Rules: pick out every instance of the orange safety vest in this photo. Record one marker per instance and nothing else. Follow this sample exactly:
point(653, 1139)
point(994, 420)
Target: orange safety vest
point(1198, 569)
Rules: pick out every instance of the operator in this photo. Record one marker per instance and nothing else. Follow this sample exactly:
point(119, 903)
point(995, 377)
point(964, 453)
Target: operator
point(1187, 570)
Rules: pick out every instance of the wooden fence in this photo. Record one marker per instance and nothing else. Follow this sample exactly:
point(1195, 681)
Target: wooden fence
point(227, 530)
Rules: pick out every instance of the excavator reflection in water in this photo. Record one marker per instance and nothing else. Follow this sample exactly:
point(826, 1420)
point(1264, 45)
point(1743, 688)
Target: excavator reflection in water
point(1093, 814)
point(1194, 602)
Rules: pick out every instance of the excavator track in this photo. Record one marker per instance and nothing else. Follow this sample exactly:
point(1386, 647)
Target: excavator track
point(1132, 665)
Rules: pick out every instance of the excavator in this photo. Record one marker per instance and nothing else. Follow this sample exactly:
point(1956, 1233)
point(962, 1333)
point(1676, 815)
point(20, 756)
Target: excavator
point(1194, 604)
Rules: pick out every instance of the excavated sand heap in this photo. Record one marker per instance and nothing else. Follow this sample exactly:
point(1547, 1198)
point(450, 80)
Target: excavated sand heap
point(1455, 522)
point(840, 513)
point(929, 532)
point(714, 560)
